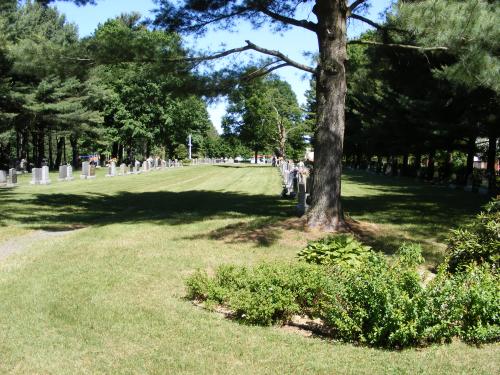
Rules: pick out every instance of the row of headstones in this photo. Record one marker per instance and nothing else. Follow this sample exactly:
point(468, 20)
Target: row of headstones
point(40, 176)
point(212, 161)
point(296, 183)
point(9, 178)
point(436, 178)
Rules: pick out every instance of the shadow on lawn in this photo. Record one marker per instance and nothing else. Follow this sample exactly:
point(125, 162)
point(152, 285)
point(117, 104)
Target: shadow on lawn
point(423, 211)
point(63, 211)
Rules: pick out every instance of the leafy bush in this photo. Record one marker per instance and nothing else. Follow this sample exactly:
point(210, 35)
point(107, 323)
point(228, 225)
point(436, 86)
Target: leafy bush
point(377, 303)
point(477, 242)
point(266, 294)
point(464, 304)
point(342, 250)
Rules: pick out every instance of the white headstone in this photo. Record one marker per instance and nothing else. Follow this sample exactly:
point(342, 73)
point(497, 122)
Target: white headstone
point(3, 178)
point(85, 170)
point(36, 176)
point(69, 176)
point(111, 169)
point(123, 167)
point(45, 180)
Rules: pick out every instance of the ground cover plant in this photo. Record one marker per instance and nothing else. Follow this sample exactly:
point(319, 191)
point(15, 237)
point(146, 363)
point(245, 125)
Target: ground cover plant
point(98, 285)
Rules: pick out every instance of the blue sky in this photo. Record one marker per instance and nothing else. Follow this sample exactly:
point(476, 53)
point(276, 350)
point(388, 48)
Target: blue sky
point(293, 43)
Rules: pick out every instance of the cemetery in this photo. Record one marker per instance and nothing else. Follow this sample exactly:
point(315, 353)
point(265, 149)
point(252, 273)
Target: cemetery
point(249, 187)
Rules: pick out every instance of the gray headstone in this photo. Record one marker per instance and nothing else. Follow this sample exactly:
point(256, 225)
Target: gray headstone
point(3, 178)
point(13, 176)
point(63, 172)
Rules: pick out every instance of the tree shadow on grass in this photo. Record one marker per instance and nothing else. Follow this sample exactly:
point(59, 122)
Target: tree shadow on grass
point(64, 211)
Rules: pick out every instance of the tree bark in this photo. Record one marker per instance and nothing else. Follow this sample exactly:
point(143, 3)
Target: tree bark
point(430, 165)
point(404, 167)
point(74, 150)
point(59, 152)
point(256, 156)
point(51, 159)
point(326, 209)
point(40, 146)
point(492, 156)
point(471, 151)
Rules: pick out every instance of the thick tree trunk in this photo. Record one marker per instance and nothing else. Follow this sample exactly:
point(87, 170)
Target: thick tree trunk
point(120, 153)
point(40, 146)
point(51, 158)
point(471, 152)
point(404, 167)
point(430, 165)
point(326, 209)
point(492, 156)
point(34, 140)
point(25, 145)
point(59, 152)
point(256, 156)
point(74, 150)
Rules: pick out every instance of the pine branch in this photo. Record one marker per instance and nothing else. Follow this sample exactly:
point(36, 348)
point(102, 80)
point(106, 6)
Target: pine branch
point(290, 21)
point(280, 56)
point(366, 20)
point(396, 45)
point(265, 70)
point(355, 4)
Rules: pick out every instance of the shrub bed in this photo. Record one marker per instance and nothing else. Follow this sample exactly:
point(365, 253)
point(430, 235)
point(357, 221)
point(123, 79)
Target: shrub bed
point(378, 303)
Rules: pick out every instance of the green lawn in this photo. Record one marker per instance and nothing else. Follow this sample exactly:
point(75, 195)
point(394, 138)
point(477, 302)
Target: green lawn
point(107, 296)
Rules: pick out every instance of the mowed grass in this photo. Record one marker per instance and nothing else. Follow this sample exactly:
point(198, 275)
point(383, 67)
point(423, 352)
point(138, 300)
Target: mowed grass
point(107, 296)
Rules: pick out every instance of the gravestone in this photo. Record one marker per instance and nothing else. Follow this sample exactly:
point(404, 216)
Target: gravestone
point(453, 180)
point(145, 166)
point(469, 184)
point(137, 166)
point(88, 171)
point(123, 169)
point(130, 169)
point(12, 177)
point(302, 197)
point(111, 169)
point(45, 178)
point(3, 178)
point(388, 170)
point(163, 164)
point(63, 173)
point(36, 176)
point(484, 188)
point(435, 177)
point(69, 175)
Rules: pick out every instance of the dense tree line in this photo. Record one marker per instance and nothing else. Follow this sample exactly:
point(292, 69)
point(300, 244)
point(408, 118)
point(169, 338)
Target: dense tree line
point(113, 93)
point(406, 106)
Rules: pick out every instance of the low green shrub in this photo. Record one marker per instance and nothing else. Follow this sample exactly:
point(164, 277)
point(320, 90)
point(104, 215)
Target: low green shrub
point(477, 242)
point(464, 304)
point(378, 302)
point(341, 250)
point(266, 294)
